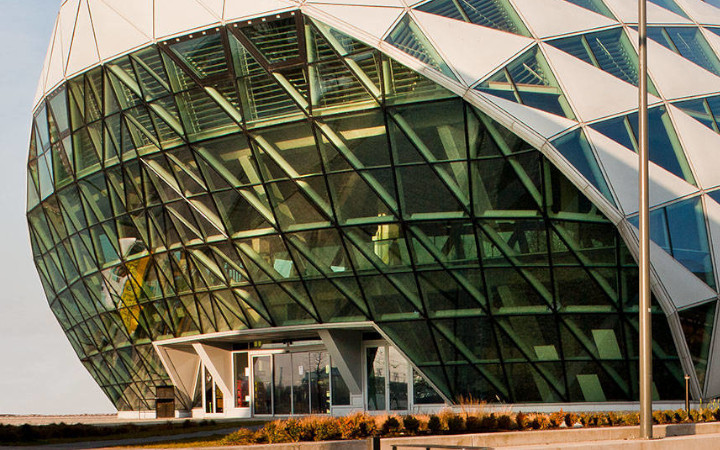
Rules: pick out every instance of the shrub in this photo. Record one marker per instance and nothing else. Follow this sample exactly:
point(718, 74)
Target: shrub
point(505, 422)
point(489, 422)
point(521, 419)
point(274, 433)
point(411, 424)
point(557, 419)
point(390, 426)
point(473, 424)
point(240, 437)
point(571, 419)
point(680, 415)
point(707, 415)
point(455, 424)
point(323, 429)
point(357, 426)
point(434, 424)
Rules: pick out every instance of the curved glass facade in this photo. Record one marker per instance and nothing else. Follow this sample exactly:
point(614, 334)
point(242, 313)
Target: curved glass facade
point(280, 173)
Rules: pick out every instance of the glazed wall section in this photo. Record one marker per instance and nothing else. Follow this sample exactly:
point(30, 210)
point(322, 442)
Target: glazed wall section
point(281, 173)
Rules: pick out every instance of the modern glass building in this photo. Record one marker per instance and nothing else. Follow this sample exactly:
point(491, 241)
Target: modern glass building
point(271, 208)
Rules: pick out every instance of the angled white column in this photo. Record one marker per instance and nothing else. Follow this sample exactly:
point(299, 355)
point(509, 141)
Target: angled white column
point(182, 364)
point(218, 362)
point(345, 349)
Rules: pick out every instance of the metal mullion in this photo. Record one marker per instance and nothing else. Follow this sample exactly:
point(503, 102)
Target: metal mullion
point(467, 354)
point(444, 177)
point(582, 260)
point(478, 246)
point(317, 266)
point(621, 311)
point(250, 47)
point(270, 319)
point(464, 283)
point(515, 265)
point(358, 168)
point(582, 341)
point(264, 184)
point(351, 65)
point(549, 228)
point(233, 75)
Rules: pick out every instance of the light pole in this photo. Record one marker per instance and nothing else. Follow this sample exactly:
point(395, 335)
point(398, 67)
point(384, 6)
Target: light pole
point(645, 318)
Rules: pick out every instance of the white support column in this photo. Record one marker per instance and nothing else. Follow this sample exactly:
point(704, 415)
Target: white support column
point(218, 362)
point(345, 349)
point(182, 364)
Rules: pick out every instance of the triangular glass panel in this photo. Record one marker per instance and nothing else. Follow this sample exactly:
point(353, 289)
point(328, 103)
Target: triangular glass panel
point(575, 147)
point(203, 55)
point(529, 80)
point(704, 110)
point(283, 308)
point(609, 50)
point(335, 85)
point(150, 73)
point(331, 304)
point(445, 8)
point(86, 154)
point(386, 302)
point(444, 297)
point(681, 231)
point(276, 40)
point(237, 213)
point(320, 48)
point(361, 195)
point(698, 324)
point(425, 192)
point(253, 306)
point(670, 5)
point(408, 37)
point(665, 148)
point(689, 43)
point(594, 5)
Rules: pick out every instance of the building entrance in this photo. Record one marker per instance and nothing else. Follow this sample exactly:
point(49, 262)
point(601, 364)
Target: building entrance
point(290, 383)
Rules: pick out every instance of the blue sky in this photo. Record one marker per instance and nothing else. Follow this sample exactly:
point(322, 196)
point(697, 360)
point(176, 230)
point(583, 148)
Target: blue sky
point(39, 372)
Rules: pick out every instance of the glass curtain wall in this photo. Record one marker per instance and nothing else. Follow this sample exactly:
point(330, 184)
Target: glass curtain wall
point(231, 181)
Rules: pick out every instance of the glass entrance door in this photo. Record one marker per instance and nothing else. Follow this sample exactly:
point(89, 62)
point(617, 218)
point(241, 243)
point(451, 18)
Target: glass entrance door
point(290, 383)
point(262, 385)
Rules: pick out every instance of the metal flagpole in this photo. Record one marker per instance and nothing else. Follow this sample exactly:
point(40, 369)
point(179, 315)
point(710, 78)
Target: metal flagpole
point(645, 317)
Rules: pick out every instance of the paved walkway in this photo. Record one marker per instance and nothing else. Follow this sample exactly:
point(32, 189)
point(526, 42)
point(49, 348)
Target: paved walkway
point(104, 444)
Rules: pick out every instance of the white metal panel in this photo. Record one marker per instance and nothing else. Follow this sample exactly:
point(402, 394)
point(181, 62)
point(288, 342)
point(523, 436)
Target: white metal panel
point(701, 145)
point(368, 23)
point(700, 11)
point(683, 286)
point(84, 52)
point(544, 123)
point(713, 39)
point(593, 92)
point(627, 11)
point(178, 16)
point(621, 169)
point(244, 9)
point(556, 17)
point(472, 50)
point(675, 76)
point(68, 17)
point(116, 31)
point(712, 212)
point(215, 7)
point(55, 69)
point(399, 3)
